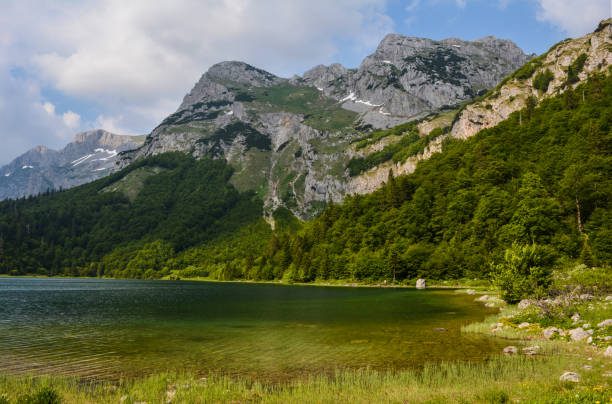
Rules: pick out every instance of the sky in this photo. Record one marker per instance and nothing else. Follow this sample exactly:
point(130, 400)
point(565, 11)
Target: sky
point(68, 66)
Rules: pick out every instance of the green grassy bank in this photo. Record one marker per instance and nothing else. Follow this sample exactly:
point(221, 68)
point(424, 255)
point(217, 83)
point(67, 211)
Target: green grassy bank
point(502, 379)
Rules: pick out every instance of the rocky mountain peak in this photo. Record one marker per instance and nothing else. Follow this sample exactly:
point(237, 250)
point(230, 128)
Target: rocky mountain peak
point(40, 149)
point(394, 44)
point(290, 139)
point(101, 138)
point(243, 73)
point(409, 77)
point(212, 86)
point(503, 48)
point(91, 155)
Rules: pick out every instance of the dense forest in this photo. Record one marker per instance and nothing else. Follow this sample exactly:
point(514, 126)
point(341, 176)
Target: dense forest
point(131, 232)
point(542, 177)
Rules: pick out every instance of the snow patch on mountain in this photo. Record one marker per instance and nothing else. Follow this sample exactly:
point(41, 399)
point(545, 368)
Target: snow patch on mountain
point(80, 160)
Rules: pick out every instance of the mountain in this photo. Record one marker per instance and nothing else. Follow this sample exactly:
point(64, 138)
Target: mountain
point(539, 181)
point(408, 77)
point(90, 155)
point(290, 139)
point(565, 66)
point(541, 177)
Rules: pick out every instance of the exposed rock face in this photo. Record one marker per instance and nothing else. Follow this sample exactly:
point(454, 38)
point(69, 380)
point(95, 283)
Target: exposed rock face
point(605, 323)
point(510, 350)
point(408, 77)
point(531, 350)
point(548, 333)
point(508, 98)
point(578, 334)
point(91, 155)
point(513, 95)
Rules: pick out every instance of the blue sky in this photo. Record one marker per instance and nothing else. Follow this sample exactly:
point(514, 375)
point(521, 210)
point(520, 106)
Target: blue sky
point(73, 65)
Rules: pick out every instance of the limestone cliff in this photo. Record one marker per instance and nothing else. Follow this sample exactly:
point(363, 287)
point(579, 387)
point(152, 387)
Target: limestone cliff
point(513, 93)
point(590, 53)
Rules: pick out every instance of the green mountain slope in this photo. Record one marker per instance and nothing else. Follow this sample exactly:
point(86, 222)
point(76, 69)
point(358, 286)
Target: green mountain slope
point(540, 177)
point(108, 228)
point(543, 176)
point(566, 65)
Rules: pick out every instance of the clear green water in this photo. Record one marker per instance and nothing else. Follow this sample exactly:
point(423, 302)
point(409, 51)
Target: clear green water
point(128, 328)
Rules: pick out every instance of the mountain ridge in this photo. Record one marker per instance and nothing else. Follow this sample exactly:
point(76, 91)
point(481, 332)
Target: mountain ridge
point(290, 139)
point(499, 103)
point(84, 159)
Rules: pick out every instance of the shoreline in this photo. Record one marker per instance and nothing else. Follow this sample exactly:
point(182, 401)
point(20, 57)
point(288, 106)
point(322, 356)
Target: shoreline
point(340, 283)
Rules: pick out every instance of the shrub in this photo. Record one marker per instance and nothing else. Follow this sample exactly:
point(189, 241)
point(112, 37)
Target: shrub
point(589, 279)
point(524, 272)
point(575, 68)
point(45, 395)
point(496, 397)
point(542, 80)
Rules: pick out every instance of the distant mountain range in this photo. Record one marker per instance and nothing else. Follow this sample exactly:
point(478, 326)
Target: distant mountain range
point(91, 155)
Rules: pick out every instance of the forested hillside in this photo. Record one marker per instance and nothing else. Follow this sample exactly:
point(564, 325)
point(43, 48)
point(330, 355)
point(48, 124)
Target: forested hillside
point(543, 176)
point(129, 224)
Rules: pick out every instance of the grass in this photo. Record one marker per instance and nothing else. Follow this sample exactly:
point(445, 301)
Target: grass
point(252, 173)
point(132, 183)
point(502, 379)
point(321, 112)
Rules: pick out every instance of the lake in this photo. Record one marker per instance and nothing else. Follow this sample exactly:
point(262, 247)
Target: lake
point(106, 329)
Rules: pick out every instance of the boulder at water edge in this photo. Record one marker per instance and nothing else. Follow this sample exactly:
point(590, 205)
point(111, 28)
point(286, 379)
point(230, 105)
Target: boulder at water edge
point(509, 350)
point(420, 284)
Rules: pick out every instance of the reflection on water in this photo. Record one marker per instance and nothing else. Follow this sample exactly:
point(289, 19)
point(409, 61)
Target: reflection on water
point(126, 328)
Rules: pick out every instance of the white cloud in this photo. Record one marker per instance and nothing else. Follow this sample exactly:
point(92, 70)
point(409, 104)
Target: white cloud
point(574, 17)
point(49, 108)
point(135, 60)
point(461, 3)
point(71, 119)
point(25, 121)
point(112, 124)
point(145, 49)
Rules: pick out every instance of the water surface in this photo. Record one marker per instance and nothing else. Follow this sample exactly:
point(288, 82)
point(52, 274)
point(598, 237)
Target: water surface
point(97, 328)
